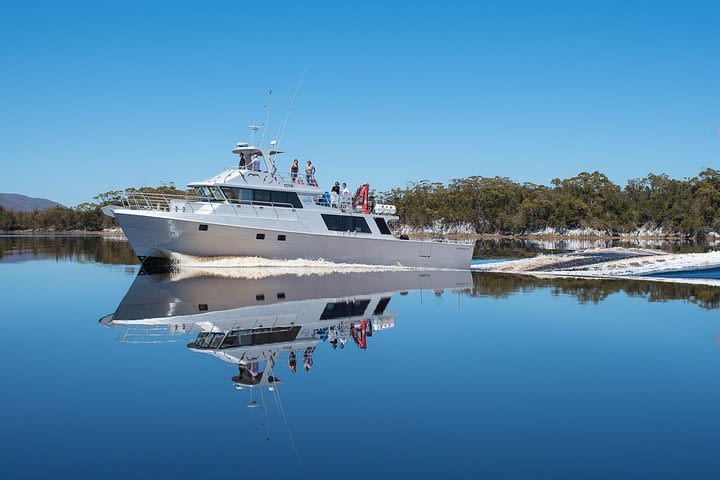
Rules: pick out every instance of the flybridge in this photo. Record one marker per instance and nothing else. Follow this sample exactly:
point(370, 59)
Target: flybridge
point(263, 173)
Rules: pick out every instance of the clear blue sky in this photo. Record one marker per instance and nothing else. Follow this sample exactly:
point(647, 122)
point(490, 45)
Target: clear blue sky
point(96, 96)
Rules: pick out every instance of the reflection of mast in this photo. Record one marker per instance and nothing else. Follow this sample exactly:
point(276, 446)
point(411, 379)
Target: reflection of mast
point(273, 386)
point(276, 391)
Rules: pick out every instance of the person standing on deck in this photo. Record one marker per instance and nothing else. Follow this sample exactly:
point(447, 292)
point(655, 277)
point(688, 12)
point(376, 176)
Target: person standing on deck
point(294, 168)
point(310, 174)
point(254, 369)
point(292, 361)
point(335, 195)
point(254, 163)
point(333, 336)
point(242, 164)
point(307, 358)
point(344, 197)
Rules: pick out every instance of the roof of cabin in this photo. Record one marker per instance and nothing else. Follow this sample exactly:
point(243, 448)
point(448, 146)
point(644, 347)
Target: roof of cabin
point(253, 179)
point(250, 150)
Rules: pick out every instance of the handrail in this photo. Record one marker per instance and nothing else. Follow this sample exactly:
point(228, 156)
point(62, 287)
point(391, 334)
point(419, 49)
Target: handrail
point(162, 202)
point(454, 242)
point(284, 176)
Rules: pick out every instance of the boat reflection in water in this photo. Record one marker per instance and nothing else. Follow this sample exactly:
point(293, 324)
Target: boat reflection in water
point(253, 322)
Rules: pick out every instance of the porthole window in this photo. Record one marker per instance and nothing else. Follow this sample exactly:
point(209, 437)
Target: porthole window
point(260, 236)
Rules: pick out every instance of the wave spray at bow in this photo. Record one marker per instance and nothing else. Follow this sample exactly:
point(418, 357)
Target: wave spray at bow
point(616, 262)
point(258, 267)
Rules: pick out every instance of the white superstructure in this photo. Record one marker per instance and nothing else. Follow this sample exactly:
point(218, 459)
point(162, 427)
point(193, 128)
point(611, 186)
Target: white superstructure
point(256, 211)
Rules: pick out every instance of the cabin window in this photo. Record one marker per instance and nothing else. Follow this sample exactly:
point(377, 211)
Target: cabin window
point(260, 236)
point(280, 199)
point(231, 193)
point(210, 194)
point(237, 195)
point(246, 194)
point(345, 223)
point(203, 228)
point(344, 309)
point(261, 196)
point(292, 199)
point(260, 336)
point(382, 226)
point(208, 339)
point(381, 306)
point(281, 238)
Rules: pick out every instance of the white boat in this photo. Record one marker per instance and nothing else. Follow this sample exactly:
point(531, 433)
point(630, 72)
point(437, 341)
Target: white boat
point(263, 213)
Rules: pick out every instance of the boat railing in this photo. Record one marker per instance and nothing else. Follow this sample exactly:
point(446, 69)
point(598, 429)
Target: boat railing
point(298, 178)
point(258, 207)
point(342, 204)
point(192, 203)
point(455, 242)
point(285, 177)
point(155, 333)
point(322, 201)
point(154, 201)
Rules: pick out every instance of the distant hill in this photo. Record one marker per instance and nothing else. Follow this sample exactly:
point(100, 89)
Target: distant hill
point(22, 203)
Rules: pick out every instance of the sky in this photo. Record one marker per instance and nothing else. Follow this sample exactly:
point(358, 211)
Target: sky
point(100, 96)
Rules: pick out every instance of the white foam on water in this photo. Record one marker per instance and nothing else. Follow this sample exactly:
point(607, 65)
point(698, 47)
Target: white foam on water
point(257, 267)
point(665, 263)
point(712, 282)
point(613, 262)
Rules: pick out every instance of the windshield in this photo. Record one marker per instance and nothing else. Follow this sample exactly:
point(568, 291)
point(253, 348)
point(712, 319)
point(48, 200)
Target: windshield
point(208, 339)
point(210, 194)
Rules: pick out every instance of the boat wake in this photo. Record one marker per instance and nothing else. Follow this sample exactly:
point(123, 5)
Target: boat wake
point(188, 266)
point(616, 262)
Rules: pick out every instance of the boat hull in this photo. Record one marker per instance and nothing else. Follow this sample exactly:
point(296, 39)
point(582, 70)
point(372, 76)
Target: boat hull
point(157, 235)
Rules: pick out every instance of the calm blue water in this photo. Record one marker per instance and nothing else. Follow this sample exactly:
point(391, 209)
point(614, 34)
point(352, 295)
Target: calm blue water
point(494, 376)
point(713, 273)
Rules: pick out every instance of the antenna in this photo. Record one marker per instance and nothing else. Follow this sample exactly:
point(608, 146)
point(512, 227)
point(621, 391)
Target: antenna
point(292, 102)
point(254, 129)
point(267, 122)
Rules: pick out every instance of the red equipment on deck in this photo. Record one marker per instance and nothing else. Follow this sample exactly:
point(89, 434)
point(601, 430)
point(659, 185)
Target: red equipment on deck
point(361, 198)
point(360, 334)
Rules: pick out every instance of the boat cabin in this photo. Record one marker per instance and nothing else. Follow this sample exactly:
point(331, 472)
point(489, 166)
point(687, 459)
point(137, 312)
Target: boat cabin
point(260, 183)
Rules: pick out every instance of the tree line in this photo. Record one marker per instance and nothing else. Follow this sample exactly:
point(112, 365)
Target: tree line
point(498, 205)
point(595, 290)
point(79, 249)
point(86, 216)
point(688, 207)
